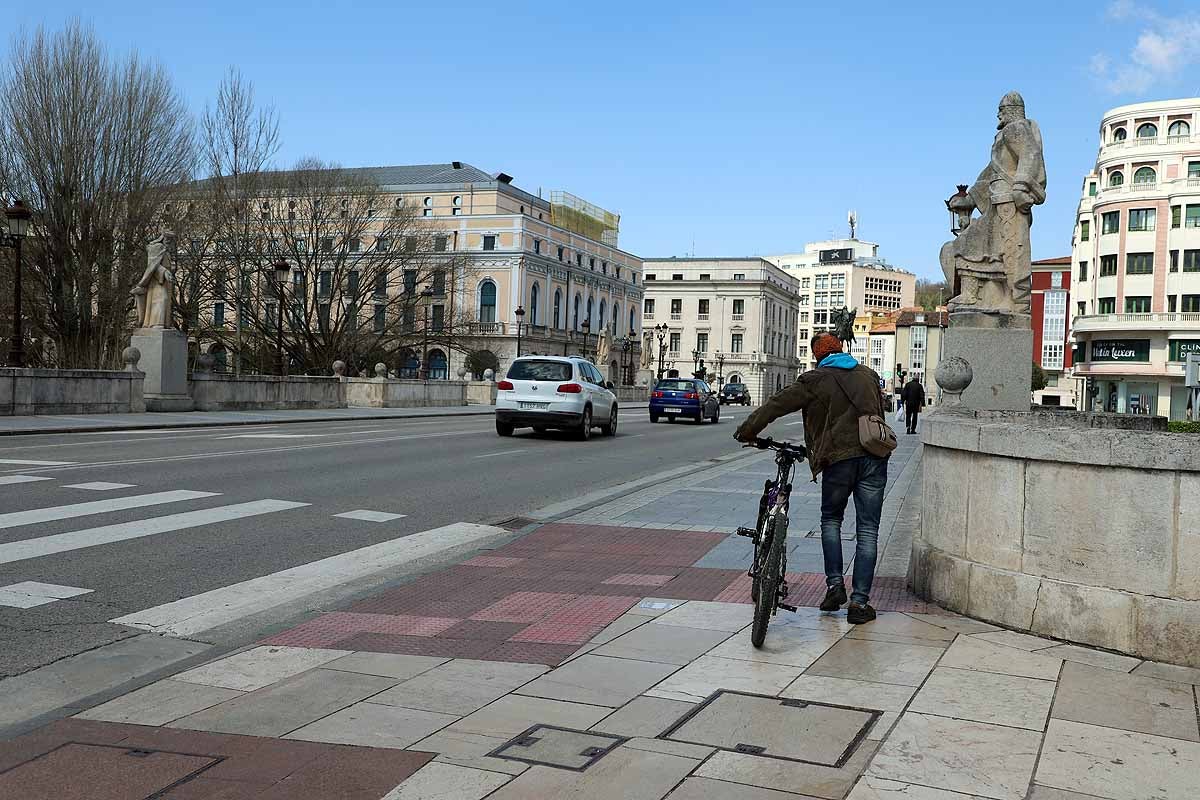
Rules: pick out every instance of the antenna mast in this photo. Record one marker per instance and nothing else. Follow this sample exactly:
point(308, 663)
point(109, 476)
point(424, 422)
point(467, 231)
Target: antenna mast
point(852, 218)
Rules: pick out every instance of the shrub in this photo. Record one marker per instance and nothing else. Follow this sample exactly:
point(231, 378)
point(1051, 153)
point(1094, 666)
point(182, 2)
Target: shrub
point(1182, 426)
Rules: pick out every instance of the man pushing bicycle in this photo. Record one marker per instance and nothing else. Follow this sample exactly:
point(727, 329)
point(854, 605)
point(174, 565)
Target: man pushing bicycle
point(849, 443)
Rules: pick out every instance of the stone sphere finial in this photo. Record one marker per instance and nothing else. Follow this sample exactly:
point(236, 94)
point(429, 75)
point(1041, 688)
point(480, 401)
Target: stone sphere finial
point(954, 375)
point(131, 356)
point(489, 374)
point(339, 368)
point(462, 373)
point(381, 370)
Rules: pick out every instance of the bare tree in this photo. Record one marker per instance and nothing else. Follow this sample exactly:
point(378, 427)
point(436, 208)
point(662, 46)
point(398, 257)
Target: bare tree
point(367, 281)
point(238, 140)
point(94, 145)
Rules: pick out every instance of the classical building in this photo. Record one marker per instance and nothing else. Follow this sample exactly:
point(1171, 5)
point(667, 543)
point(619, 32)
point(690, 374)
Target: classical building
point(908, 345)
point(1048, 303)
point(738, 314)
point(1135, 291)
point(843, 272)
point(557, 260)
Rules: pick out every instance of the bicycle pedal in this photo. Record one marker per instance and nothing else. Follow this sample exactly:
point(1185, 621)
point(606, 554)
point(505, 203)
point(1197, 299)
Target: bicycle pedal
point(786, 607)
point(750, 532)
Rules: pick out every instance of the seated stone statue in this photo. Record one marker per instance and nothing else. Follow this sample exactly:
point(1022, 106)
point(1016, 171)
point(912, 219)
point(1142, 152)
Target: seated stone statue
point(153, 294)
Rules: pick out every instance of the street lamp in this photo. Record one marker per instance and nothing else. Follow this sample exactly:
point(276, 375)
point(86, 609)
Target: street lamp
point(695, 360)
point(426, 294)
point(281, 269)
point(586, 327)
point(720, 359)
point(660, 331)
point(18, 223)
point(520, 314)
point(626, 347)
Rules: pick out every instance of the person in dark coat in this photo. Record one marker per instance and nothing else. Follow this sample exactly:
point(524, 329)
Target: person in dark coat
point(913, 395)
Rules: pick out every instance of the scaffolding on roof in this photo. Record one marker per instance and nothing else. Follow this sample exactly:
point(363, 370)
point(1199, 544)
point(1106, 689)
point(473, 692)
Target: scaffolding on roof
point(578, 215)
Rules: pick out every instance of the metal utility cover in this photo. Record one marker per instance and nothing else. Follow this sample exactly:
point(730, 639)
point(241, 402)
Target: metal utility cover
point(90, 771)
point(796, 730)
point(558, 747)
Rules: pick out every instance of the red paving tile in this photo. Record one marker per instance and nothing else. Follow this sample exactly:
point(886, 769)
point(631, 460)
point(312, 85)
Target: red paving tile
point(532, 653)
point(329, 629)
point(698, 584)
point(488, 631)
point(81, 771)
point(418, 645)
point(634, 579)
point(523, 607)
point(578, 621)
point(492, 561)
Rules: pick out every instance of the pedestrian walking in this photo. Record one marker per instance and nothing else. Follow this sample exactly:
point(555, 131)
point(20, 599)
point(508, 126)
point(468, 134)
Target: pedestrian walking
point(832, 398)
point(913, 396)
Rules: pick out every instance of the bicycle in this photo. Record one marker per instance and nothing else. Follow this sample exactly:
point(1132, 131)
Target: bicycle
point(768, 569)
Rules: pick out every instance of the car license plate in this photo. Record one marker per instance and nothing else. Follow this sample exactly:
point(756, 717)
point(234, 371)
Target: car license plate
point(534, 406)
point(672, 410)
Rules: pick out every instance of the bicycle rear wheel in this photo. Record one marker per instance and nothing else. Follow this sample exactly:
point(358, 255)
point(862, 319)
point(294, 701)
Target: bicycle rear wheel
point(767, 583)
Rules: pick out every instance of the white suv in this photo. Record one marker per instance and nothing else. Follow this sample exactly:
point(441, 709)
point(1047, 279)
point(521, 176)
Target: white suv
point(553, 392)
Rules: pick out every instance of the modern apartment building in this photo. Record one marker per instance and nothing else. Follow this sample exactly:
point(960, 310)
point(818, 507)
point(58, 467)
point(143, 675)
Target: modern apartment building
point(1135, 291)
point(843, 272)
point(1050, 300)
point(738, 314)
point(556, 260)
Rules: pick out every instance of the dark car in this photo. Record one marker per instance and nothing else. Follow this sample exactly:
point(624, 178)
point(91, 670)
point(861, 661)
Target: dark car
point(684, 397)
point(735, 393)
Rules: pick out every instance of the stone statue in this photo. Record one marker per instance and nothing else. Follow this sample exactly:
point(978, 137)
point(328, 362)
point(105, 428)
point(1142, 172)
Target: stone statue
point(647, 349)
point(602, 347)
point(987, 265)
point(153, 294)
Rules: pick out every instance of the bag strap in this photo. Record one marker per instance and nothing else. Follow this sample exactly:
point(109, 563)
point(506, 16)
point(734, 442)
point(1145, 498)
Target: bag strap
point(837, 379)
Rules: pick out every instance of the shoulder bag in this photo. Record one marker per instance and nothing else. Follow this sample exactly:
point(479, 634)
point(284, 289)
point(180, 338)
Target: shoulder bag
point(874, 434)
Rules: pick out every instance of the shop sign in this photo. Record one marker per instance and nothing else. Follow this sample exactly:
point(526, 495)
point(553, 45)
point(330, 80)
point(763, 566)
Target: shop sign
point(1121, 350)
point(1179, 348)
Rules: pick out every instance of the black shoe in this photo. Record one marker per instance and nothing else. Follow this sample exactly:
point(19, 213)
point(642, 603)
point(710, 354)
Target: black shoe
point(857, 615)
point(835, 598)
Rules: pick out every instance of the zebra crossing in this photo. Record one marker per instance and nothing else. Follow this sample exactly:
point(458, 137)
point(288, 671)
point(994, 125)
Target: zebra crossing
point(192, 615)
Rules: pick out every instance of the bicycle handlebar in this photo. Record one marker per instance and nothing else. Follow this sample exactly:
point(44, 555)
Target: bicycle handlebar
point(797, 450)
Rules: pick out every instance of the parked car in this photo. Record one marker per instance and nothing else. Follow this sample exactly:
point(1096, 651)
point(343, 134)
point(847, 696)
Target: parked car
point(684, 397)
point(735, 393)
point(544, 392)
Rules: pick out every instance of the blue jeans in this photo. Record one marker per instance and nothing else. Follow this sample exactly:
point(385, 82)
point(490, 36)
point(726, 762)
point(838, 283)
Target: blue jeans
point(866, 478)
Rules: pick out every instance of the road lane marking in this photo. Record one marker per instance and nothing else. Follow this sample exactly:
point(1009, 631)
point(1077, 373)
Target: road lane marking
point(275, 436)
point(193, 615)
point(28, 594)
point(8, 480)
point(501, 453)
point(107, 534)
point(371, 516)
point(99, 486)
point(28, 463)
point(36, 515)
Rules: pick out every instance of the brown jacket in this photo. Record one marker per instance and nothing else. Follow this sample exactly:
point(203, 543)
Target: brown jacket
point(830, 418)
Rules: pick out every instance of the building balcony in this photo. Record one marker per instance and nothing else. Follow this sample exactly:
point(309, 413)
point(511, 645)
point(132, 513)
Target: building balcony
point(486, 328)
point(702, 317)
point(676, 317)
point(1144, 187)
point(1093, 323)
point(738, 317)
point(647, 315)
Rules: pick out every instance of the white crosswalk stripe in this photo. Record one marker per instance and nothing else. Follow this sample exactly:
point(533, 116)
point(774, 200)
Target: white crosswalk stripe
point(36, 515)
point(107, 534)
point(9, 480)
point(24, 462)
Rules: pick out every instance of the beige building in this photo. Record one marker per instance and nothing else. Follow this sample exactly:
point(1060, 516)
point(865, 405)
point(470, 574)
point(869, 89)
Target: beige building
point(738, 314)
point(911, 340)
point(556, 259)
point(844, 272)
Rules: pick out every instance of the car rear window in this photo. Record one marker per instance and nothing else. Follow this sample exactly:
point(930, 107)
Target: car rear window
point(676, 386)
point(735, 386)
point(539, 371)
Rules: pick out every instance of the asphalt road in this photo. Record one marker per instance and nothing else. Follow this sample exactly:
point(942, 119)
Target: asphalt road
point(169, 532)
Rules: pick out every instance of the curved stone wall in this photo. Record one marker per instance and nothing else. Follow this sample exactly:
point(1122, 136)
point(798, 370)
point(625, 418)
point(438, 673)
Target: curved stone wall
point(1050, 524)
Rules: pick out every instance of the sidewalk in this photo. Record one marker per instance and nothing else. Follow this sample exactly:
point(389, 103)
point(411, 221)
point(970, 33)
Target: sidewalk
point(612, 660)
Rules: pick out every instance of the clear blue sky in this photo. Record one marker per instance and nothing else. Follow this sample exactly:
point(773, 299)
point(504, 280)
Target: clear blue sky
point(748, 128)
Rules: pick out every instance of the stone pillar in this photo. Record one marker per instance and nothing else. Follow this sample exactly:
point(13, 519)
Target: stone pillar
point(999, 350)
point(164, 358)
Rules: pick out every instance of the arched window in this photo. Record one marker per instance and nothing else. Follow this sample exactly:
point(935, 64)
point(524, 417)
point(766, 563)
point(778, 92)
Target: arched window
point(633, 319)
point(588, 318)
point(1116, 178)
point(603, 318)
point(487, 301)
point(1119, 135)
point(535, 298)
point(439, 370)
point(1179, 128)
point(616, 319)
point(1147, 130)
point(410, 364)
point(1145, 176)
point(558, 320)
point(575, 316)
point(735, 378)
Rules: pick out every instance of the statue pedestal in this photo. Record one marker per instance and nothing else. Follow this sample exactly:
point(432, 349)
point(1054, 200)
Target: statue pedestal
point(645, 377)
point(1001, 360)
point(164, 360)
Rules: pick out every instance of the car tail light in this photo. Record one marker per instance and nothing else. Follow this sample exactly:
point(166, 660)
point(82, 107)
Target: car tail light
point(505, 386)
point(570, 388)
point(658, 394)
point(691, 396)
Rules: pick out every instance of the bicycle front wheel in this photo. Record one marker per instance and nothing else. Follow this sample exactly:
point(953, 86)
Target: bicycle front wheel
point(769, 577)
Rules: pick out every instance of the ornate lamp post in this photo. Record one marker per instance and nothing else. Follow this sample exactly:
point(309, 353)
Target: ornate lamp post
point(426, 294)
point(720, 359)
point(695, 361)
point(281, 270)
point(960, 207)
point(660, 332)
point(520, 315)
point(18, 223)
point(626, 346)
point(586, 327)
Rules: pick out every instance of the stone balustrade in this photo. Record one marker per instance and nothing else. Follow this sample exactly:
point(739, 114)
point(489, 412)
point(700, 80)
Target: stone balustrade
point(71, 391)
